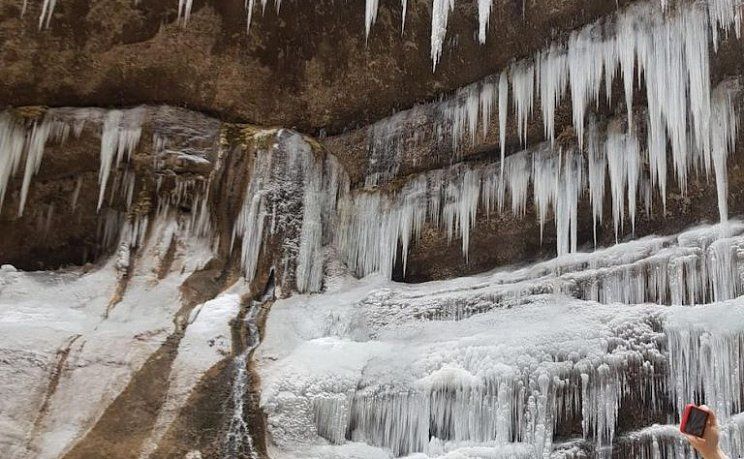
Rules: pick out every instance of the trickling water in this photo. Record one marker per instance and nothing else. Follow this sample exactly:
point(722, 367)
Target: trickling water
point(238, 441)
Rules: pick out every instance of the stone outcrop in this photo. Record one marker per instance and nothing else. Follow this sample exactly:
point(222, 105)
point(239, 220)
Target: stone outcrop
point(306, 67)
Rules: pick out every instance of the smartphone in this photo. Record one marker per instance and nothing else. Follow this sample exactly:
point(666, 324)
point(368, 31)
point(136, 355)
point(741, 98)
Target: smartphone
point(694, 421)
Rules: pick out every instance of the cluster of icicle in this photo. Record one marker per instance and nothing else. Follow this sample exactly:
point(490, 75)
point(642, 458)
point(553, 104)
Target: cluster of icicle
point(120, 133)
point(291, 195)
point(22, 146)
point(668, 51)
point(440, 11)
point(504, 405)
point(375, 224)
point(696, 267)
point(665, 441)
point(677, 354)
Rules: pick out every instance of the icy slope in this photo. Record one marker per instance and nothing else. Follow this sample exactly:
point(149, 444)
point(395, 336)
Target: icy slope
point(499, 365)
point(71, 341)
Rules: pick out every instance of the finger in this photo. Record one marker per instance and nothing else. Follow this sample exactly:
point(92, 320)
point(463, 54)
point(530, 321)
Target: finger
point(712, 420)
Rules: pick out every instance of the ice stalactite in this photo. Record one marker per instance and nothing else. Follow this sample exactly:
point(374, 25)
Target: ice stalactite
point(705, 359)
point(666, 441)
point(119, 138)
point(585, 63)
point(12, 143)
point(558, 182)
point(697, 267)
point(250, 4)
point(451, 198)
point(484, 15)
point(555, 358)
point(373, 225)
point(47, 10)
point(495, 389)
point(668, 51)
point(440, 11)
point(523, 89)
point(19, 142)
point(370, 15)
point(623, 158)
point(503, 108)
point(184, 11)
point(551, 74)
point(596, 173)
point(723, 130)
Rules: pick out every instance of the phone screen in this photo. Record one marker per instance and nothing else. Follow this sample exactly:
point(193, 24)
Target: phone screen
point(696, 422)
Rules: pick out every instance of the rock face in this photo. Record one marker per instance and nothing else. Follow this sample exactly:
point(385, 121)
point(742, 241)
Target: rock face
point(309, 66)
point(209, 229)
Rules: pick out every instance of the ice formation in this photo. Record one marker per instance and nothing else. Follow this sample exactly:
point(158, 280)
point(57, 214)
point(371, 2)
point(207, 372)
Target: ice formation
point(47, 10)
point(290, 193)
point(17, 142)
point(184, 10)
point(451, 198)
point(440, 10)
point(668, 51)
point(120, 136)
point(494, 363)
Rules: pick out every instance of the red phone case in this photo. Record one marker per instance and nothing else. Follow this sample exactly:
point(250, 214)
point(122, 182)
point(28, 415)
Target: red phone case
point(686, 415)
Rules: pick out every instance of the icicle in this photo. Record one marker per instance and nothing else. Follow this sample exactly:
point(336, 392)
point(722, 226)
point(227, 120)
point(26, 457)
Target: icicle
point(12, 142)
point(503, 109)
point(585, 64)
point(184, 11)
point(310, 256)
point(249, 4)
point(517, 177)
point(404, 6)
point(47, 10)
point(440, 11)
point(597, 165)
point(76, 194)
point(552, 70)
point(724, 126)
point(120, 135)
point(626, 42)
point(484, 14)
point(34, 152)
point(523, 90)
point(633, 161)
point(285, 177)
point(488, 98)
point(618, 168)
point(370, 15)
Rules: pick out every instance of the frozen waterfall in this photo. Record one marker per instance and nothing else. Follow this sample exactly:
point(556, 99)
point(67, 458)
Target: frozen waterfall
point(499, 362)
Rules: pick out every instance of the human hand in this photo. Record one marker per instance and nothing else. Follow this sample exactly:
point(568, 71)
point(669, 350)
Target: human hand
point(707, 445)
